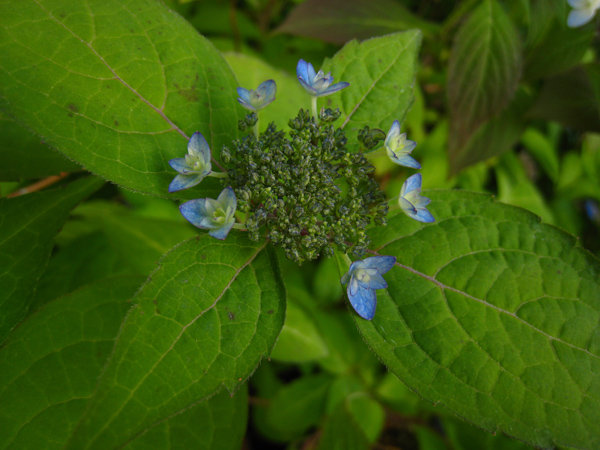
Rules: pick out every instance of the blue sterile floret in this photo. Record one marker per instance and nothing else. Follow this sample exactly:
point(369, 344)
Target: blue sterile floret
point(317, 84)
point(583, 11)
point(194, 167)
point(258, 99)
point(363, 278)
point(218, 215)
point(399, 148)
point(412, 203)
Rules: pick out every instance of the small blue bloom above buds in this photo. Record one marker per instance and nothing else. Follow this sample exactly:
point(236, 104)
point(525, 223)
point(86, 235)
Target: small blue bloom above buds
point(258, 99)
point(399, 148)
point(218, 215)
point(363, 278)
point(317, 84)
point(583, 11)
point(194, 167)
point(411, 202)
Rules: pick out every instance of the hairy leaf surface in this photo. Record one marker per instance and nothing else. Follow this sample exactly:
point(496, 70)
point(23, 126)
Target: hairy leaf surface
point(494, 315)
point(205, 319)
point(119, 88)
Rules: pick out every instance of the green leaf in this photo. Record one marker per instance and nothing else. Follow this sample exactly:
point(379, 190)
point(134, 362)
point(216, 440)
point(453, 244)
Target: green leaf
point(51, 363)
point(124, 84)
point(342, 432)
point(368, 414)
point(251, 72)
point(465, 436)
point(543, 151)
point(218, 423)
point(571, 98)
point(206, 317)
point(28, 224)
point(553, 47)
point(381, 73)
point(339, 21)
point(494, 137)
point(484, 70)
point(299, 340)
point(299, 405)
point(494, 315)
point(23, 156)
point(515, 188)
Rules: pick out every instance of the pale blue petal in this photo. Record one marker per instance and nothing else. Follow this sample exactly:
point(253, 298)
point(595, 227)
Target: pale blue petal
point(307, 87)
point(221, 232)
point(364, 302)
point(423, 215)
point(194, 211)
point(353, 286)
point(244, 95)
point(267, 90)
point(334, 88)
point(310, 73)
point(199, 146)
point(382, 263)
point(346, 278)
point(405, 160)
point(302, 71)
point(394, 131)
point(422, 202)
point(181, 182)
point(180, 165)
point(246, 105)
point(227, 198)
point(413, 182)
point(376, 282)
point(577, 4)
point(579, 17)
point(407, 206)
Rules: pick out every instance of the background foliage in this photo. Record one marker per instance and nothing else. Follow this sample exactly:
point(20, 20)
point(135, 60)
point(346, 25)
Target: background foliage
point(121, 326)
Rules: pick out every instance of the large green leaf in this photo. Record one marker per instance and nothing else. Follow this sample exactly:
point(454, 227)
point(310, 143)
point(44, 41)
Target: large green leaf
point(205, 319)
point(28, 225)
point(22, 155)
point(117, 86)
point(218, 423)
point(381, 73)
point(485, 65)
point(494, 315)
point(494, 137)
point(340, 21)
point(50, 366)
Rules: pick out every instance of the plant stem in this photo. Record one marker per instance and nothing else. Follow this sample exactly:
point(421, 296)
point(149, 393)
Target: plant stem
point(38, 185)
point(314, 107)
point(375, 154)
point(218, 174)
point(239, 226)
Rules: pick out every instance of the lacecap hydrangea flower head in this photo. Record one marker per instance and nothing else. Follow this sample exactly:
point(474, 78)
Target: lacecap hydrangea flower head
point(303, 189)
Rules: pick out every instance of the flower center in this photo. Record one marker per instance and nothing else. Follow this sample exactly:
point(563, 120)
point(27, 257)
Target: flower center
point(220, 216)
point(362, 275)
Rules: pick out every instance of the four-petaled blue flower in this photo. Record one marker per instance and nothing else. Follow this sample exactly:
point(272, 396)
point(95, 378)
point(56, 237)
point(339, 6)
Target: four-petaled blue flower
point(362, 280)
point(194, 167)
point(398, 147)
point(218, 215)
point(317, 84)
point(583, 11)
point(256, 100)
point(411, 201)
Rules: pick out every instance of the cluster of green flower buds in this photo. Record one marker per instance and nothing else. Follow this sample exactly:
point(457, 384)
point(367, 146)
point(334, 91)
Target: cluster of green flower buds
point(305, 189)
